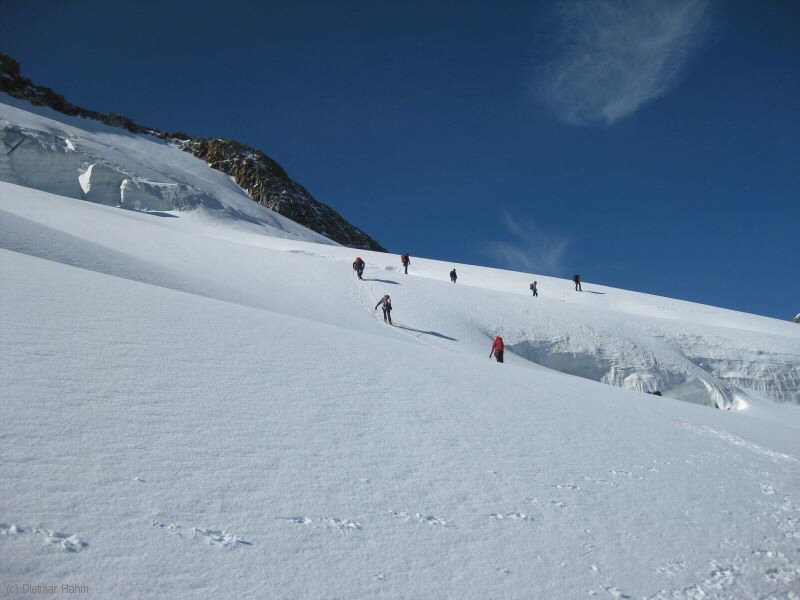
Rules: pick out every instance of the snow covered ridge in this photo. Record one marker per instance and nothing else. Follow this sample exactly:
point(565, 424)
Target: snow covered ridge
point(257, 174)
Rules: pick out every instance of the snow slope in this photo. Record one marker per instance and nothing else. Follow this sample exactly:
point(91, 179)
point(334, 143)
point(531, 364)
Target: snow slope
point(686, 351)
point(195, 409)
point(82, 158)
point(200, 401)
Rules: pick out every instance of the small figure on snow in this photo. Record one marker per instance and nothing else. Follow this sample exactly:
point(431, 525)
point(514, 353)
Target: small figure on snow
point(534, 290)
point(358, 266)
point(406, 261)
point(497, 349)
point(386, 306)
point(453, 276)
point(577, 280)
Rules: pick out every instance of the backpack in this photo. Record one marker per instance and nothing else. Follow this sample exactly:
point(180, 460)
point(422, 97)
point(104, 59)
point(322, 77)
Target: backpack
point(532, 286)
point(498, 344)
point(404, 258)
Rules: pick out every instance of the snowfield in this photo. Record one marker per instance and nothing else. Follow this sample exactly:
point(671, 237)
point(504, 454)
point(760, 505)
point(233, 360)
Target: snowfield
point(203, 403)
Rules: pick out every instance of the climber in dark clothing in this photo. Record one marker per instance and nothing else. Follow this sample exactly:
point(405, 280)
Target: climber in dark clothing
point(406, 261)
point(453, 276)
point(358, 266)
point(577, 280)
point(386, 305)
point(533, 289)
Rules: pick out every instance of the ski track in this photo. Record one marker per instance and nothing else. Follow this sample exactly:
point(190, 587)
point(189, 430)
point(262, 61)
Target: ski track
point(740, 442)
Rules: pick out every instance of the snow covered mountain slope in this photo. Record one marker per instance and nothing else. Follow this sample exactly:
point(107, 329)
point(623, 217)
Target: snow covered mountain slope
point(260, 177)
point(82, 158)
point(195, 409)
point(704, 358)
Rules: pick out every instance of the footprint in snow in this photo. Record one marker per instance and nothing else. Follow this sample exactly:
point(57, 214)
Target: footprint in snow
point(420, 518)
point(218, 537)
point(305, 253)
point(600, 481)
point(11, 530)
point(623, 473)
point(213, 537)
point(172, 528)
point(614, 592)
point(511, 516)
point(65, 541)
point(671, 568)
point(329, 522)
point(588, 548)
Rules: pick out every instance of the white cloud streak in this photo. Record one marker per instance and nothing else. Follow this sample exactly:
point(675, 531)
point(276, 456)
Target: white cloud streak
point(533, 249)
point(614, 56)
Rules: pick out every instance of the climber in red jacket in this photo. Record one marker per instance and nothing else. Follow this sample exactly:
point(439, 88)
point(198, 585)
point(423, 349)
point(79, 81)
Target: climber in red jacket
point(497, 349)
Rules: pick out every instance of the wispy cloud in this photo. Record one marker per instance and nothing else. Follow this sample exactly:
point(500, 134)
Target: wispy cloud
point(613, 56)
point(531, 248)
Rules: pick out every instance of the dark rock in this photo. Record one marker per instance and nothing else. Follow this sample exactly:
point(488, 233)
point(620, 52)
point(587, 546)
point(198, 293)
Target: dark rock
point(269, 185)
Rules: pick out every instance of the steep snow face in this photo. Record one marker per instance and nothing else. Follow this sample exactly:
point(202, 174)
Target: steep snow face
point(81, 158)
point(205, 411)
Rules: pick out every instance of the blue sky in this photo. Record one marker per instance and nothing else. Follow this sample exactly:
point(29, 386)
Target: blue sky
point(648, 145)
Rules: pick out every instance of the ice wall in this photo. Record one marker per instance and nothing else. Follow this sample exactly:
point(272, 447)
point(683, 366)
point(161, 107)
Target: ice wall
point(39, 160)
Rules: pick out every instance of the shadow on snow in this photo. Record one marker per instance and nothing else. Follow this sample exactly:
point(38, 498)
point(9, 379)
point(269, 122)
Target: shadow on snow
point(434, 333)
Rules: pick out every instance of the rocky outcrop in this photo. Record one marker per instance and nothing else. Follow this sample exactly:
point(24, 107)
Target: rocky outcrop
point(268, 184)
point(261, 177)
point(14, 84)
